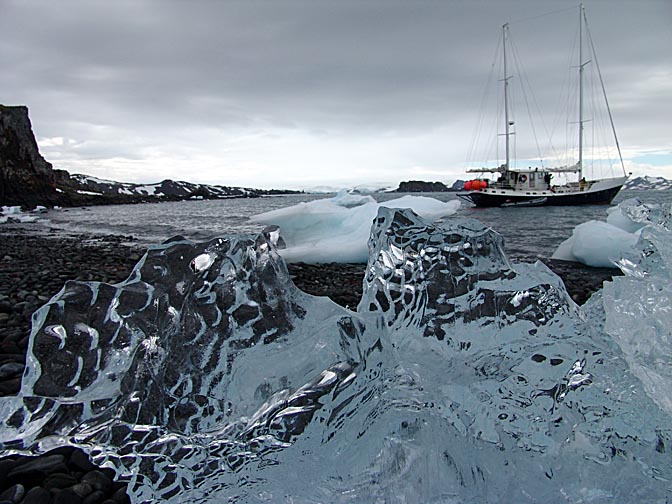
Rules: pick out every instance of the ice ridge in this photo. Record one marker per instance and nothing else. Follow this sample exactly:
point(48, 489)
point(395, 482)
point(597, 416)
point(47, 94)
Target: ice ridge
point(208, 376)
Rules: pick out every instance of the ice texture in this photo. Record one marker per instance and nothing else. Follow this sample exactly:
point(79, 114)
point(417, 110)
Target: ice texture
point(639, 305)
point(336, 229)
point(604, 244)
point(207, 376)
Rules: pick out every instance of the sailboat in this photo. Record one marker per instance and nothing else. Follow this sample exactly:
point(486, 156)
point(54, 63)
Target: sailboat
point(535, 186)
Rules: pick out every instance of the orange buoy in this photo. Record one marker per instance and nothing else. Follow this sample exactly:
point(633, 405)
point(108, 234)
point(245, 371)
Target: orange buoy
point(467, 185)
point(484, 184)
point(475, 185)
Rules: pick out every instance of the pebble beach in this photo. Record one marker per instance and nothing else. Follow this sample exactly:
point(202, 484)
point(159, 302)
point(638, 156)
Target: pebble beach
point(34, 267)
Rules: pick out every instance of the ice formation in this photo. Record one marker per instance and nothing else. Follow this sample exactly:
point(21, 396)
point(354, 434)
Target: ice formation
point(336, 229)
point(207, 376)
point(15, 215)
point(639, 305)
point(603, 244)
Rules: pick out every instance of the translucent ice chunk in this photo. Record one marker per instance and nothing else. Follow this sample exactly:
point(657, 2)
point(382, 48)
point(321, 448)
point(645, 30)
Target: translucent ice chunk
point(638, 305)
point(207, 376)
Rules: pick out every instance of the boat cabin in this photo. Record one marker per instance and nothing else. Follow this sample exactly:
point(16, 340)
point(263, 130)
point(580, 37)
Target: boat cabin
point(538, 180)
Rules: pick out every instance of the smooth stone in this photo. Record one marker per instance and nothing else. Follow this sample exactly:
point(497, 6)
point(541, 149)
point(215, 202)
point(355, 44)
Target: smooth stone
point(59, 480)
point(98, 481)
point(10, 387)
point(67, 496)
point(81, 460)
point(6, 466)
point(82, 489)
point(12, 357)
point(14, 493)
point(45, 465)
point(37, 495)
point(96, 497)
point(121, 497)
point(10, 369)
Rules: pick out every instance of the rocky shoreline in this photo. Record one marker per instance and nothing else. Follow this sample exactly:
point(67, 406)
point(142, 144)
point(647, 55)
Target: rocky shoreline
point(33, 268)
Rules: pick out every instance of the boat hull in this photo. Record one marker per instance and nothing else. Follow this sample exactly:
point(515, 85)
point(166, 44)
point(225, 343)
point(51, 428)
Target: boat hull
point(490, 199)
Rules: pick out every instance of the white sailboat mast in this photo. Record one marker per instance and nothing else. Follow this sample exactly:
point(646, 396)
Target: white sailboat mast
point(507, 129)
point(581, 65)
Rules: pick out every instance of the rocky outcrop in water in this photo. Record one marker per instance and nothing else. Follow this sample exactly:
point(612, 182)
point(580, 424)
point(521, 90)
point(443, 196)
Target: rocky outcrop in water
point(413, 186)
point(26, 178)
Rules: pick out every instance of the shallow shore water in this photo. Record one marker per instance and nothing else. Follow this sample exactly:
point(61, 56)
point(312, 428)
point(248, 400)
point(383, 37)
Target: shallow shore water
point(33, 268)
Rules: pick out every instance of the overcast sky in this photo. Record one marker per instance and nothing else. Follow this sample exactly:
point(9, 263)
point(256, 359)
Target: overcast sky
point(311, 93)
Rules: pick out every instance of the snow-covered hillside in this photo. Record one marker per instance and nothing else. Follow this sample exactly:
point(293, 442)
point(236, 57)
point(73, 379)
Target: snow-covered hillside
point(648, 183)
point(167, 189)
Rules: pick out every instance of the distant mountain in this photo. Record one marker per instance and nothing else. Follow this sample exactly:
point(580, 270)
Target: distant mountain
point(165, 190)
point(648, 184)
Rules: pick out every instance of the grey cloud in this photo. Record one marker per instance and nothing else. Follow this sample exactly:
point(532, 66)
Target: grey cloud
point(315, 65)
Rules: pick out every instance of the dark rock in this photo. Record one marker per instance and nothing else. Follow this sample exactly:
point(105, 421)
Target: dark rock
point(13, 494)
point(98, 480)
point(81, 460)
point(10, 386)
point(120, 496)
point(11, 357)
point(10, 369)
point(39, 466)
point(6, 466)
point(59, 480)
point(95, 497)
point(66, 496)
point(37, 495)
point(413, 186)
point(82, 489)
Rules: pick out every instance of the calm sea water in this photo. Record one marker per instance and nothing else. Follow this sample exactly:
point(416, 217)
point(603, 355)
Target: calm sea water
point(528, 232)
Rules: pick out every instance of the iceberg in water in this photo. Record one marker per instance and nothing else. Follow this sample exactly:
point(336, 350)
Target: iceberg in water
point(337, 229)
point(603, 244)
point(207, 376)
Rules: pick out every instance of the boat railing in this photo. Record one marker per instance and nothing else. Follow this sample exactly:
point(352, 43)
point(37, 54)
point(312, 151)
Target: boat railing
point(501, 185)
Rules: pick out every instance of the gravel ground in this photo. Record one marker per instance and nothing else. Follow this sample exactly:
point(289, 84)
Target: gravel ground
point(33, 268)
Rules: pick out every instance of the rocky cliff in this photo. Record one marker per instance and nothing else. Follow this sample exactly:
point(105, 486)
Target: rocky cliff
point(26, 178)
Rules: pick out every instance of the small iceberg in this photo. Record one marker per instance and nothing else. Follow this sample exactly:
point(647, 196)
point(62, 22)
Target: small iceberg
point(602, 244)
point(337, 229)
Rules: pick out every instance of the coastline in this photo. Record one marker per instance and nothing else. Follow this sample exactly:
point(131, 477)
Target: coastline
point(34, 265)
